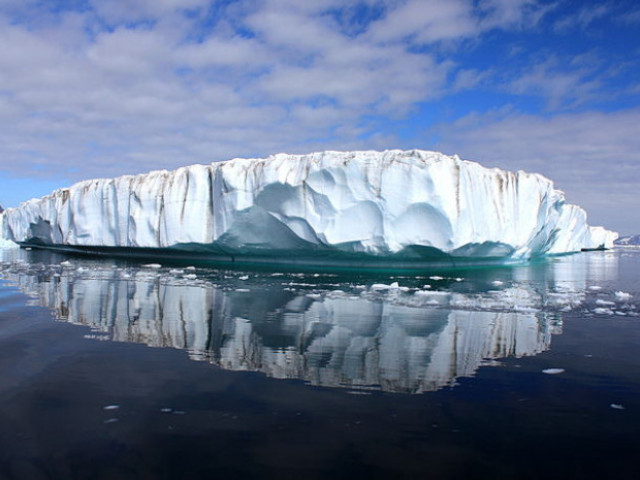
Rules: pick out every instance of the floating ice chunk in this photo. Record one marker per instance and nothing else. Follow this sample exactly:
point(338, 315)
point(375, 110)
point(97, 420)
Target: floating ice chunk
point(553, 371)
point(111, 407)
point(242, 290)
point(436, 278)
point(190, 276)
point(111, 420)
point(616, 406)
point(497, 283)
point(595, 288)
point(337, 293)
point(176, 271)
point(623, 296)
point(244, 277)
point(604, 303)
point(152, 265)
point(422, 293)
point(396, 286)
point(380, 286)
point(66, 263)
point(603, 311)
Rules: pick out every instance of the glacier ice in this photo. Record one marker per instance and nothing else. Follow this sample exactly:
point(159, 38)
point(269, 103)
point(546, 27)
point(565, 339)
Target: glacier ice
point(403, 206)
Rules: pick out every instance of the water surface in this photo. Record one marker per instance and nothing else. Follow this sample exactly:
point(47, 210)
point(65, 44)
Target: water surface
point(116, 369)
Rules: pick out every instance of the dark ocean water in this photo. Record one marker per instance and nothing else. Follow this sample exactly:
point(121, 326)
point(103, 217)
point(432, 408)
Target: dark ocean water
point(114, 369)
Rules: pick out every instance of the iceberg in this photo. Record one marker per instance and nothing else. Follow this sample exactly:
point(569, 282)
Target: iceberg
point(395, 208)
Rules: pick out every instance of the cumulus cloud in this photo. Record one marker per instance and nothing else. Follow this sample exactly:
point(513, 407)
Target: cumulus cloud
point(129, 85)
point(126, 11)
point(583, 17)
point(560, 84)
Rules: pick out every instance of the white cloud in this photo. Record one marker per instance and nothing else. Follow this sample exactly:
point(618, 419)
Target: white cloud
point(512, 13)
point(447, 20)
point(583, 17)
point(629, 18)
point(560, 83)
point(466, 79)
point(90, 101)
point(124, 11)
point(426, 22)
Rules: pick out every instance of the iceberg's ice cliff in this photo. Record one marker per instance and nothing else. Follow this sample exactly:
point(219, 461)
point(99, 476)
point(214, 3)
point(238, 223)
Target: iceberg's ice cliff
point(400, 205)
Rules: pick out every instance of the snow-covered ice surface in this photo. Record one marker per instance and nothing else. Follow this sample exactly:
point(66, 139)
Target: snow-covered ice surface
point(407, 206)
point(366, 332)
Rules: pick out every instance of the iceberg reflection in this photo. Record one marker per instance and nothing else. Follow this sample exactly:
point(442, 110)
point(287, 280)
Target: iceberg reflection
point(386, 339)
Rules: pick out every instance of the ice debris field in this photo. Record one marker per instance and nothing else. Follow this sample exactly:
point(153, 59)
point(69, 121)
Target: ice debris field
point(397, 206)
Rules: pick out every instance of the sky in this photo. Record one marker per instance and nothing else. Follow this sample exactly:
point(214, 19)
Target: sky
point(102, 88)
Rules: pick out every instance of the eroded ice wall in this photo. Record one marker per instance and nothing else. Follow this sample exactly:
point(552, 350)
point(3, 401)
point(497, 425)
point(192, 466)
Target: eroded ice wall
point(376, 203)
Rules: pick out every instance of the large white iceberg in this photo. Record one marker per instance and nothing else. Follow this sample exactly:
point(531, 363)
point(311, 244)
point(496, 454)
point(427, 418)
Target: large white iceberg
point(366, 206)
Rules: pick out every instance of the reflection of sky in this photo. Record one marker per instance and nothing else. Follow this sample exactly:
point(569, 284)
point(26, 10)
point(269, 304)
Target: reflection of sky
point(398, 338)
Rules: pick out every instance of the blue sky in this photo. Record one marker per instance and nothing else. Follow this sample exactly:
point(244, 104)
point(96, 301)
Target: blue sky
point(100, 88)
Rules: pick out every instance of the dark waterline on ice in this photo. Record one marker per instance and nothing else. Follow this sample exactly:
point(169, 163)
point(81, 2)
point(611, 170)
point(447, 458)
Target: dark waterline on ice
point(288, 375)
point(411, 260)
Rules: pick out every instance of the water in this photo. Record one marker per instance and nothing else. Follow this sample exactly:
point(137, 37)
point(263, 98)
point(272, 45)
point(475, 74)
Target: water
point(114, 369)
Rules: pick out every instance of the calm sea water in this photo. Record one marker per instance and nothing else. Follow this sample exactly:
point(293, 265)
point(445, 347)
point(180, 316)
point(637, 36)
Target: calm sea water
point(120, 370)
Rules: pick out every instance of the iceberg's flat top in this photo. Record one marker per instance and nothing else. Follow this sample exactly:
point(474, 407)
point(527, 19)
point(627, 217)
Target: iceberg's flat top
point(395, 204)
